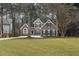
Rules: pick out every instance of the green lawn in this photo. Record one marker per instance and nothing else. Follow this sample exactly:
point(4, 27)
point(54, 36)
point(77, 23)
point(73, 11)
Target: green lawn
point(40, 47)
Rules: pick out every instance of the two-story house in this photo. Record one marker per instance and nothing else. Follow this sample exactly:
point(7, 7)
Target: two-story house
point(40, 28)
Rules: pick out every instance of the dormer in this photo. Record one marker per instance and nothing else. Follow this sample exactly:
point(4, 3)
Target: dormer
point(49, 25)
point(24, 29)
point(38, 23)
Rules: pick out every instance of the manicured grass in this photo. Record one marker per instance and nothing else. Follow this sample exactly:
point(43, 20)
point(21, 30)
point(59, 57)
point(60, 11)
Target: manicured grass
point(40, 47)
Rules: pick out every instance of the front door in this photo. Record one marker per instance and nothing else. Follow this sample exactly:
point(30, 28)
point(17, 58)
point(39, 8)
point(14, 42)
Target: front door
point(37, 32)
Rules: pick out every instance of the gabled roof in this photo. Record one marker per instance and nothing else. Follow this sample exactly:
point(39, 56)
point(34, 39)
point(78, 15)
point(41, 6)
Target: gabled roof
point(38, 19)
point(48, 21)
point(25, 25)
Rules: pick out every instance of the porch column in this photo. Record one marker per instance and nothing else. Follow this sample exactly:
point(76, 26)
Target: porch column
point(53, 32)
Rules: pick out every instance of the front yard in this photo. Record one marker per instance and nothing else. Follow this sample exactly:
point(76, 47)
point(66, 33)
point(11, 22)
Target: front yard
point(40, 47)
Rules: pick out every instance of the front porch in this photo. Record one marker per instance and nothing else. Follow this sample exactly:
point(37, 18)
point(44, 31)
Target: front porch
point(44, 32)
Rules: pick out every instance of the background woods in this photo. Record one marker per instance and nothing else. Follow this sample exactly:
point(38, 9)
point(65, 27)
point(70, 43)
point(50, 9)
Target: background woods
point(14, 15)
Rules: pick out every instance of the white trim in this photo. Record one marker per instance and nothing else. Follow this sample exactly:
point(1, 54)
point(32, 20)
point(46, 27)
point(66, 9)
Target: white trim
point(23, 26)
point(38, 19)
point(47, 22)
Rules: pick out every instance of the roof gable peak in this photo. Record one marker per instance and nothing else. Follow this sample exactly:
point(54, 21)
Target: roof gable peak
point(23, 26)
point(48, 21)
point(37, 20)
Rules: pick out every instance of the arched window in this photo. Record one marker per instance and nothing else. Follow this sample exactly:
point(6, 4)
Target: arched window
point(25, 31)
point(37, 24)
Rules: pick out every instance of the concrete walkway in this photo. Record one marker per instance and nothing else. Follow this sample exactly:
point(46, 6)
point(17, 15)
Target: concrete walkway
point(9, 38)
point(36, 36)
point(20, 37)
point(5, 38)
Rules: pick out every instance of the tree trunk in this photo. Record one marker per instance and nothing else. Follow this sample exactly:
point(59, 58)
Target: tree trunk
point(29, 29)
point(2, 25)
point(2, 19)
point(13, 21)
point(13, 25)
point(62, 34)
